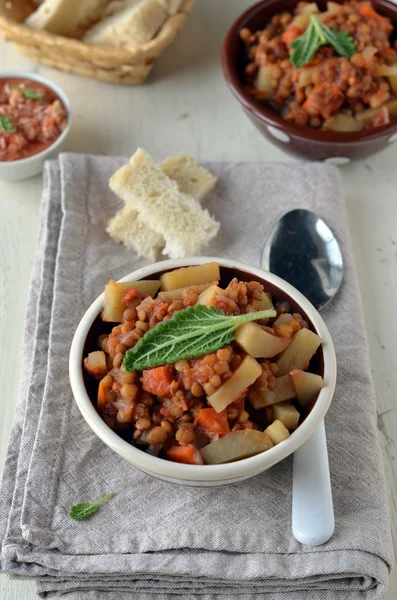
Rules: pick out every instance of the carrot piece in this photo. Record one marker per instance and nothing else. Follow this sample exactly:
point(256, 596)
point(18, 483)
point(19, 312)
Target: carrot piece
point(157, 381)
point(130, 295)
point(189, 455)
point(291, 34)
point(212, 422)
point(101, 396)
point(368, 11)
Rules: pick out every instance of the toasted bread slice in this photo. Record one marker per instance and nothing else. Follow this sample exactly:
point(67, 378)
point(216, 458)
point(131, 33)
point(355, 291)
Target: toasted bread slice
point(127, 228)
point(66, 17)
point(138, 22)
point(190, 176)
point(178, 217)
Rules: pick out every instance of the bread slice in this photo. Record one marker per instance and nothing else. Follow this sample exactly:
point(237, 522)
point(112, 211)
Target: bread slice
point(171, 6)
point(138, 22)
point(66, 17)
point(191, 178)
point(127, 228)
point(178, 217)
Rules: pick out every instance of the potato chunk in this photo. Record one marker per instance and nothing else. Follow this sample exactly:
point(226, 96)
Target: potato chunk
point(277, 432)
point(303, 346)
point(236, 445)
point(244, 376)
point(208, 297)
point(259, 343)
point(190, 276)
point(287, 414)
point(265, 303)
point(283, 391)
point(307, 385)
point(113, 306)
point(95, 364)
point(173, 295)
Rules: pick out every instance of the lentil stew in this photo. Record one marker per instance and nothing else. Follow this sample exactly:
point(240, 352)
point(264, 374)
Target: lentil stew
point(331, 92)
point(226, 405)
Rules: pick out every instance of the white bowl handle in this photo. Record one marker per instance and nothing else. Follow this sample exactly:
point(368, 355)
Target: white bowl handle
point(312, 509)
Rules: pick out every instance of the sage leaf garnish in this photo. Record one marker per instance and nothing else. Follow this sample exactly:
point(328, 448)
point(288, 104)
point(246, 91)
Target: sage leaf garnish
point(30, 93)
point(84, 510)
point(6, 125)
point(192, 332)
point(316, 35)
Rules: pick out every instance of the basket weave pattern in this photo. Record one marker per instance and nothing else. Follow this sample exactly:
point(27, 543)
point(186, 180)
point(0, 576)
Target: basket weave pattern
point(126, 65)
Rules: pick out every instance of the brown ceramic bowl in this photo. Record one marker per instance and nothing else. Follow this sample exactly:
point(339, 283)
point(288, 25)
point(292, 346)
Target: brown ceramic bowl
point(334, 148)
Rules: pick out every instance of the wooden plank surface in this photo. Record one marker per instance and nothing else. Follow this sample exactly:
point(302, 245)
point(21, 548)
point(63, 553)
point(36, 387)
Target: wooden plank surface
point(187, 107)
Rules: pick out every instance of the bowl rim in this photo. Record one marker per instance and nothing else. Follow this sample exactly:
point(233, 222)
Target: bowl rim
point(248, 466)
point(66, 102)
point(266, 114)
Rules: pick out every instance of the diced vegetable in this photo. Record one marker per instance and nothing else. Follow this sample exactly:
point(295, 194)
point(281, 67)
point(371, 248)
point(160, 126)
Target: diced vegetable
point(236, 445)
point(95, 364)
point(114, 306)
point(393, 83)
point(333, 7)
point(213, 423)
point(244, 376)
point(386, 70)
point(341, 122)
point(283, 319)
point(303, 346)
point(306, 74)
point(186, 276)
point(368, 11)
point(265, 303)
point(287, 414)
point(301, 21)
point(367, 115)
point(277, 432)
point(104, 385)
point(157, 381)
point(185, 454)
point(208, 297)
point(309, 9)
point(259, 343)
point(306, 385)
point(284, 390)
point(264, 80)
point(291, 33)
point(173, 295)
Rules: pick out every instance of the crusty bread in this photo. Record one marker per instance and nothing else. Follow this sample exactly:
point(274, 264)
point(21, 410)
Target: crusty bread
point(127, 228)
point(66, 17)
point(138, 22)
point(178, 217)
point(190, 176)
point(171, 6)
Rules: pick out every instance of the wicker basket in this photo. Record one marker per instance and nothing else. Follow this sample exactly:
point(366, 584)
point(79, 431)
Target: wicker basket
point(126, 65)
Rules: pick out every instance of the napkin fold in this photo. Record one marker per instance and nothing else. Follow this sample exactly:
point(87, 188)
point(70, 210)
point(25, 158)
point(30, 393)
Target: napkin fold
point(154, 537)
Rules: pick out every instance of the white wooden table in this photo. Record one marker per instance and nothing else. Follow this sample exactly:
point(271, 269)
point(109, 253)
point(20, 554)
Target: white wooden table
point(187, 107)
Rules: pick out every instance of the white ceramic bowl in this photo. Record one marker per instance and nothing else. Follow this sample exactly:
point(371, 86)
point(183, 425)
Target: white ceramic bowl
point(15, 170)
point(207, 475)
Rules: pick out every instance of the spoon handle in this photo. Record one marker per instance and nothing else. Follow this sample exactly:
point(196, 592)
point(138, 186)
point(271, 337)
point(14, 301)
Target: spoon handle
point(312, 509)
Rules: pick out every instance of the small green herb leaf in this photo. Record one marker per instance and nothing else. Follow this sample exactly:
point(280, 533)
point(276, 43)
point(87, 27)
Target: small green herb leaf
point(192, 332)
point(6, 125)
point(82, 511)
point(30, 93)
point(316, 35)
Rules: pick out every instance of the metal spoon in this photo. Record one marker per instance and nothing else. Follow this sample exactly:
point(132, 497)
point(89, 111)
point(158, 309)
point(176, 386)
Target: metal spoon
point(303, 250)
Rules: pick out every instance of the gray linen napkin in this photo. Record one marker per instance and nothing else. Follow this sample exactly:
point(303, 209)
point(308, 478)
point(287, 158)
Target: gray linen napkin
point(154, 537)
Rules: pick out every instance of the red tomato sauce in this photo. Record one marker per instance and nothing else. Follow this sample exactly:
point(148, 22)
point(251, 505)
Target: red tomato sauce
point(32, 117)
